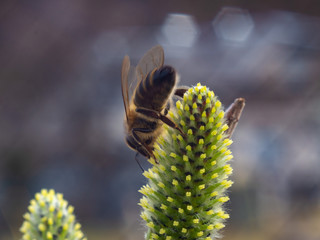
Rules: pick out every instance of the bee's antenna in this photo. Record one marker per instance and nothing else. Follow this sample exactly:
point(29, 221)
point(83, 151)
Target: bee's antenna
point(137, 160)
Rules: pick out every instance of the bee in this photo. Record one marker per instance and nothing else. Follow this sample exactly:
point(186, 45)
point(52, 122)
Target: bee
point(146, 110)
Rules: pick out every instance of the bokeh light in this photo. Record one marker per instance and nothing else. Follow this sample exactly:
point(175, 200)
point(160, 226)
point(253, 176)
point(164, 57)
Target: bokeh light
point(233, 24)
point(180, 30)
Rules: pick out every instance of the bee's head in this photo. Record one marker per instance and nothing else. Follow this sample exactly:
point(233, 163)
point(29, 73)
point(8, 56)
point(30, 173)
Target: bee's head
point(133, 144)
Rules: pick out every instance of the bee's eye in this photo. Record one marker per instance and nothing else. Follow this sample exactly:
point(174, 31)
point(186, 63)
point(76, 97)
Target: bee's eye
point(148, 141)
point(131, 142)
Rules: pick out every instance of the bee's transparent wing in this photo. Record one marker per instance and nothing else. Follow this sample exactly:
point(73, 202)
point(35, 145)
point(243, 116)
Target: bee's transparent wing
point(154, 58)
point(124, 83)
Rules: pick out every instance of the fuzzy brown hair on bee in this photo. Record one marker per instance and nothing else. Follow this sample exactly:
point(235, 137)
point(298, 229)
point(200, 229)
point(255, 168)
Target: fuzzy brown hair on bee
point(146, 110)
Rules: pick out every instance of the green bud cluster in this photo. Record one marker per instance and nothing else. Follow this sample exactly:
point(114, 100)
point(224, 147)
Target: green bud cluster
point(50, 218)
point(186, 190)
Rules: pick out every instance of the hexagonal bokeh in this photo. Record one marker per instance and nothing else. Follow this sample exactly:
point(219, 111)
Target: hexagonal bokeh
point(233, 24)
point(180, 30)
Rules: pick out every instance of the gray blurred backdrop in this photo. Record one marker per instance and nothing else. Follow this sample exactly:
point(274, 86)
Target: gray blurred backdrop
point(61, 109)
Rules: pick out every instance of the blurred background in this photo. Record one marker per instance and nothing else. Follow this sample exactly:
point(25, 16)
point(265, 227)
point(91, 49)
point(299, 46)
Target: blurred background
point(61, 108)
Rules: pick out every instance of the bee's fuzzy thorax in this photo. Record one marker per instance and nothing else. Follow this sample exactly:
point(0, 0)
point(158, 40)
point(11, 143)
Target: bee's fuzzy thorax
point(185, 192)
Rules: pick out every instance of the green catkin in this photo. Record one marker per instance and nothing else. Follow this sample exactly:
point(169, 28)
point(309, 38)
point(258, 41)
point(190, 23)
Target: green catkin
point(50, 218)
point(186, 191)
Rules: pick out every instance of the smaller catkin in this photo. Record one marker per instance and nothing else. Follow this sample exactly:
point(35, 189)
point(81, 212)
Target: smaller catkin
point(50, 218)
point(186, 191)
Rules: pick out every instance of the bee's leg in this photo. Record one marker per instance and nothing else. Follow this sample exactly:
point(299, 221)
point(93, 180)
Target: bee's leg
point(179, 91)
point(142, 144)
point(233, 114)
point(157, 115)
point(167, 108)
point(137, 160)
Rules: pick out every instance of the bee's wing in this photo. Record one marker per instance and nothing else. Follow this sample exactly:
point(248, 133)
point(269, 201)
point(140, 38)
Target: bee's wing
point(154, 58)
point(124, 83)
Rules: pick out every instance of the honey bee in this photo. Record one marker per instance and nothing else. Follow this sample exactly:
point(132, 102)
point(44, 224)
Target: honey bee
point(146, 110)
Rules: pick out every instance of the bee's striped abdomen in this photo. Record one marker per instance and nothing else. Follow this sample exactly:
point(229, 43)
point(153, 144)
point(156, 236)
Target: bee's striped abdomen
point(153, 91)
